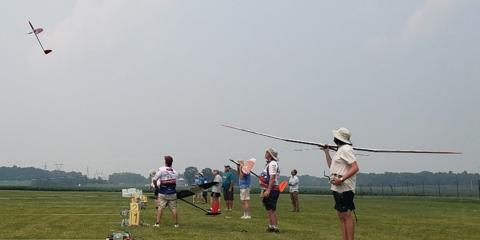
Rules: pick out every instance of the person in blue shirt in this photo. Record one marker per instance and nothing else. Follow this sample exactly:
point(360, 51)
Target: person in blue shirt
point(244, 182)
point(198, 198)
point(227, 187)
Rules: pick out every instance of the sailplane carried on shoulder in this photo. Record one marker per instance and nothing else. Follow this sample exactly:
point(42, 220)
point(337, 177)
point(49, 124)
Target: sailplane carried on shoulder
point(334, 148)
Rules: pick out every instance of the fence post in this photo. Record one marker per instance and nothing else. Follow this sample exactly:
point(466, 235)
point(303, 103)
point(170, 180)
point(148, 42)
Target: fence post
point(438, 185)
point(457, 189)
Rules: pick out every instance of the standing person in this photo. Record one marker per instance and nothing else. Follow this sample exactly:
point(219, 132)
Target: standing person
point(167, 193)
point(198, 198)
point(152, 185)
point(293, 183)
point(343, 170)
point(227, 187)
point(204, 180)
point(244, 182)
point(270, 190)
point(216, 191)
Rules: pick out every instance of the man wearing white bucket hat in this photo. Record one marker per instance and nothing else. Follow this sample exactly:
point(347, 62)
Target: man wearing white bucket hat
point(343, 170)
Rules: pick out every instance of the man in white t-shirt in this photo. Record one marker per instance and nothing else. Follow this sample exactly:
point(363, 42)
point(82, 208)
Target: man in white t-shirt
point(165, 180)
point(293, 183)
point(343, 175)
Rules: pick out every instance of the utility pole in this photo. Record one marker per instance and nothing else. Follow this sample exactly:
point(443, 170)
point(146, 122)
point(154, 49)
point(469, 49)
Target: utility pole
point(58, 166)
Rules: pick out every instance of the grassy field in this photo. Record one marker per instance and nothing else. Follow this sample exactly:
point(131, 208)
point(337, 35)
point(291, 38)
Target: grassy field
point(92, 215)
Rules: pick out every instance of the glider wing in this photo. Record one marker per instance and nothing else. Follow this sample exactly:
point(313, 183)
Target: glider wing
point(280, 138)
point(321, 145)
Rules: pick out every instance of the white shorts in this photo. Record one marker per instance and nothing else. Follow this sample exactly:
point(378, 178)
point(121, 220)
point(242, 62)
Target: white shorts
point(245, 194)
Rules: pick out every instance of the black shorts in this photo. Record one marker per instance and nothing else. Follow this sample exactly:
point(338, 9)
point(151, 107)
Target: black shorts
point(156, 192)
point(215, 194)
point(344, 201)
point(227, 195)
point(270, 202)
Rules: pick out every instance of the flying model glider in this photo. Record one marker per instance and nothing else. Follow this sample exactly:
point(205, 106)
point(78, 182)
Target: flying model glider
point(37, 31)
point(334, 148)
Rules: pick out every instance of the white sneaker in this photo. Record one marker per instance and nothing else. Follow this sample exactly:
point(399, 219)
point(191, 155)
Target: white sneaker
point(176, 226)
point(243, 217)
point(247, 217)
point(156, 225)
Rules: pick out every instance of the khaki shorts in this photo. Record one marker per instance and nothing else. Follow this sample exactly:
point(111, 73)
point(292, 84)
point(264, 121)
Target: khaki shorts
point(245, 194)
point(169, 200)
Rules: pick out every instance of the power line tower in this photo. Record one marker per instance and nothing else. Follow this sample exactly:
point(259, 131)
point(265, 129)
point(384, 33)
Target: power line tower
point(58, 166)
point(98, 174)
point(45, 166)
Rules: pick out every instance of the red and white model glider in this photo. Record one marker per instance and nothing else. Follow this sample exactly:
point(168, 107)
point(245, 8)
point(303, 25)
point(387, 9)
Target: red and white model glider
point(37, 31)
point(334, 148)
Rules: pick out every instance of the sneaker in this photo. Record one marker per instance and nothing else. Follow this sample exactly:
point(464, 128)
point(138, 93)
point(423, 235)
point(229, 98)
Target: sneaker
point(156, 225)
point(247, 217)
point(273, 230)
point(243, 217)
point(176, 226)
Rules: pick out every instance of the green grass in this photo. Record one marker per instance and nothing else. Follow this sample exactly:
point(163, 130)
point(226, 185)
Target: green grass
point(93, 215)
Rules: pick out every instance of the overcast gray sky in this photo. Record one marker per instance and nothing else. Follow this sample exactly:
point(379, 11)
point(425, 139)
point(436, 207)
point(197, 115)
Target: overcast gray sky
point(130, 81)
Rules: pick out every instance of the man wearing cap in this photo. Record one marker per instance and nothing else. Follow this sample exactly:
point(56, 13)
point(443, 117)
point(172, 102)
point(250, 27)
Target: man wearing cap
point(343, 170)
point(166, 181)
point(227, 187)
point(270, 191)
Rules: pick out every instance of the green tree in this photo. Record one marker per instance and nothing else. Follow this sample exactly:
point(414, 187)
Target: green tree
point(189, 174)
point(208, 174)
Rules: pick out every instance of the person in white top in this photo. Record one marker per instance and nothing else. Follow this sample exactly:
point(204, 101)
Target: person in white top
point(293, 183)
point(343, 170)
point(270, 190)
point(216, 189)
point(165, 180)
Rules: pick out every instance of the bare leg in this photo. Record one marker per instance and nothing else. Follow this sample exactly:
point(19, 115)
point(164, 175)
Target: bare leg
point(347, 225)
point(175, 216)
point(159, 214)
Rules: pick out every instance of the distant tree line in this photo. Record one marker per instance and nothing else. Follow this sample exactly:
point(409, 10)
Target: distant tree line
point(40, 177)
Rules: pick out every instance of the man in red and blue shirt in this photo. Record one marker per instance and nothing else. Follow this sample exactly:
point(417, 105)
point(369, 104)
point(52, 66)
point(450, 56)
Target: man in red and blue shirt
point(165, 180)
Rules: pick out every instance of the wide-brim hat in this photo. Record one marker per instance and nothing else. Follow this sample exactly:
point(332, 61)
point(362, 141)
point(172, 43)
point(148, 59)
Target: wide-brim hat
point(273, 153)
point(342, 134)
